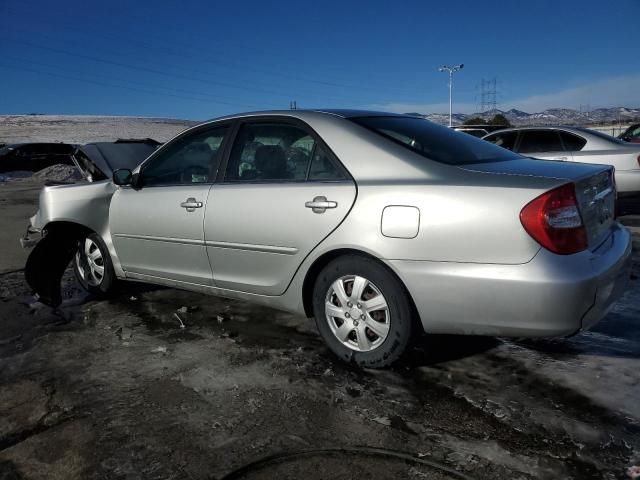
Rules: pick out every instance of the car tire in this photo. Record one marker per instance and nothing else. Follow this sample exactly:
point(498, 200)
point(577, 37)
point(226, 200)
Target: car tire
point(379, 336)
point(93, 267)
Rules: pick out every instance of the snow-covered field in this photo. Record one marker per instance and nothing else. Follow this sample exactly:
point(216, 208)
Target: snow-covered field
point(85, 129)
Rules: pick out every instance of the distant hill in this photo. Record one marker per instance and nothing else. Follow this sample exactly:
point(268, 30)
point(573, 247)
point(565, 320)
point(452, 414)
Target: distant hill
point(86, 128)
point(551, 116)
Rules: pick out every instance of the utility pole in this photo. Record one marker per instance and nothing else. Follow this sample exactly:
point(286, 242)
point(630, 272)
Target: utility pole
point(451, 70)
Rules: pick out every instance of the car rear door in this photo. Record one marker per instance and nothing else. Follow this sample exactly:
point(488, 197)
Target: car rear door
point(543, 144)
point(282, 193)
point(157, 227)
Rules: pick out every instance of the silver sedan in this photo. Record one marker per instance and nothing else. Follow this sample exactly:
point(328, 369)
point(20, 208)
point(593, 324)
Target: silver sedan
point(378, 225)
point(575, 144)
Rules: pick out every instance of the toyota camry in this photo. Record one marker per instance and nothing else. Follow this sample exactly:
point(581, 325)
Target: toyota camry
point(379, 226)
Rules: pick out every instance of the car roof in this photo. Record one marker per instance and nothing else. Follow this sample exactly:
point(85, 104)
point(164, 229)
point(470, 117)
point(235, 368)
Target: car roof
point(301, 113)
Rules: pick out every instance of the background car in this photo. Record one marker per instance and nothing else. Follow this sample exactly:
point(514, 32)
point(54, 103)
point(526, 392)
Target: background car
point(478, 130)
point(573, 144)
point(631, 134)
point(32, 157)
point(378, 225)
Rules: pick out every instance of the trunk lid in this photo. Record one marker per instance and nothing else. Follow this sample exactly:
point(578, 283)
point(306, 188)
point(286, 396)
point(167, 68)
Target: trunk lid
point(594, 184)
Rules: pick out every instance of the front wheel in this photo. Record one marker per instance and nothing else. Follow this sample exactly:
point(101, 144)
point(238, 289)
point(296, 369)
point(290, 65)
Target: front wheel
point(362, 311)
point(93, 267)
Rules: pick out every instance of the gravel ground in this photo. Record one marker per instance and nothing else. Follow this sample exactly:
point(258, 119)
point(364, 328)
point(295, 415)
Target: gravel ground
point(117, 389)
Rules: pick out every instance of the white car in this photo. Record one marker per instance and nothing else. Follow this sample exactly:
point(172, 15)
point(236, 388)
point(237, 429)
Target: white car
point(573, 144)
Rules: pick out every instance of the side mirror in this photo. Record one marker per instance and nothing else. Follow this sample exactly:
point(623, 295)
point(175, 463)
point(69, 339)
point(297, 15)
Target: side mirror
point(123, 176)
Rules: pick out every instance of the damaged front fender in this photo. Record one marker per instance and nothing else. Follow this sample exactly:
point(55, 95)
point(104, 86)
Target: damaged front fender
point(49, 260)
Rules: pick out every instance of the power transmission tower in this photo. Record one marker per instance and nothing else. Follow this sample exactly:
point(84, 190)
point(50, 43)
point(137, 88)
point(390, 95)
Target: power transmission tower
point(293, 105)
point(488, 95)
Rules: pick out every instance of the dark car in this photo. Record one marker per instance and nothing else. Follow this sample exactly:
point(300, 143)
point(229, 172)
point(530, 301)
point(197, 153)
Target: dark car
point(631, 134)
point(33, 157)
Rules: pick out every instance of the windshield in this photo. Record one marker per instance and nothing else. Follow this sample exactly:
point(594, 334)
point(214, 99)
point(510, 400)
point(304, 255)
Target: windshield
point(436, 142)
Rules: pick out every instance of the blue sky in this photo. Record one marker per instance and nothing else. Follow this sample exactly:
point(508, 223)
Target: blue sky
point(199, 60)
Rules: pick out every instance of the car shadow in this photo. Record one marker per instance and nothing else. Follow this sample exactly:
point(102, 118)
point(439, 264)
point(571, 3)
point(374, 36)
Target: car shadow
point(436, 349)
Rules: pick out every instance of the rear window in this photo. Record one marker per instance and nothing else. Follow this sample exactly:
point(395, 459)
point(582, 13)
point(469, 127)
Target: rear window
point(572, 143)
point(539, 141)
point(435, 142)
point(503, 139)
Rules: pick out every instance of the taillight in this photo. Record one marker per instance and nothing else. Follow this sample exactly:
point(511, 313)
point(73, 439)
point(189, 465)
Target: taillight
point(638, 160)
point(554, 221)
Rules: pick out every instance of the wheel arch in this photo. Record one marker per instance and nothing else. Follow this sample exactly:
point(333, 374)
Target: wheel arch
point(49, 259)
point(77, 229)
point(324, 259)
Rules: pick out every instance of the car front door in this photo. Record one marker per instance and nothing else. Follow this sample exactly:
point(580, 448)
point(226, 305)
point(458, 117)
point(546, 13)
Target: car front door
point(543, 144)
point(283, 192)
point(157, 225)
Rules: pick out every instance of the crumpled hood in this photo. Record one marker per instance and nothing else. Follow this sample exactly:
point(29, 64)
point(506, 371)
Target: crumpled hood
point(98, 161)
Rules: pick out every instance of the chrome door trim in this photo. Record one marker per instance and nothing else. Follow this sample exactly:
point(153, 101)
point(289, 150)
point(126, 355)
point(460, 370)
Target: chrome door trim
point(186, 241)
point(253, 247)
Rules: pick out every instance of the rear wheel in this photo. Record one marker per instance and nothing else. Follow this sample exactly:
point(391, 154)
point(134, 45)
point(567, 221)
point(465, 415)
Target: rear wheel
point(93, 267)
point(362, 311)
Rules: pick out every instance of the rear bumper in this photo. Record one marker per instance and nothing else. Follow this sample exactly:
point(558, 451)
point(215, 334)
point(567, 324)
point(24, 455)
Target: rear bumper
point(552, 295)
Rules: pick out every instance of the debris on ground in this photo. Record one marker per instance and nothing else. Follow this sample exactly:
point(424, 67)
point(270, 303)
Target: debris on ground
point(182, 325)
point(124, 333)
point(221, 318)
point(633, 472)
point(183, 310)
point(386, 421)
point(160, 349)
point(133, 298)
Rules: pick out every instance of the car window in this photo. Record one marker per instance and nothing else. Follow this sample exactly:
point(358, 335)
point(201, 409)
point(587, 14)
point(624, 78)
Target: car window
point(190, 159)
point(539, 141)
point(505, 139)
point(435, 142)
point(475, 132)
point(270, 152)
point(572, 143)
point(323, 167)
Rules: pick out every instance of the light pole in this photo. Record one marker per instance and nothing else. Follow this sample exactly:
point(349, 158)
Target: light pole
point(451, 71)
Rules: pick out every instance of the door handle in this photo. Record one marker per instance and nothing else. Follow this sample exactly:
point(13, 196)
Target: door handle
point(320, 204)
point(191, 204)
point(559, 158)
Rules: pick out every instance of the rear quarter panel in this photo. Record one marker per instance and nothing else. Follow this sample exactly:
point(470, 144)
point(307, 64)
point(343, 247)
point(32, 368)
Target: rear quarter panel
point(457, 223)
